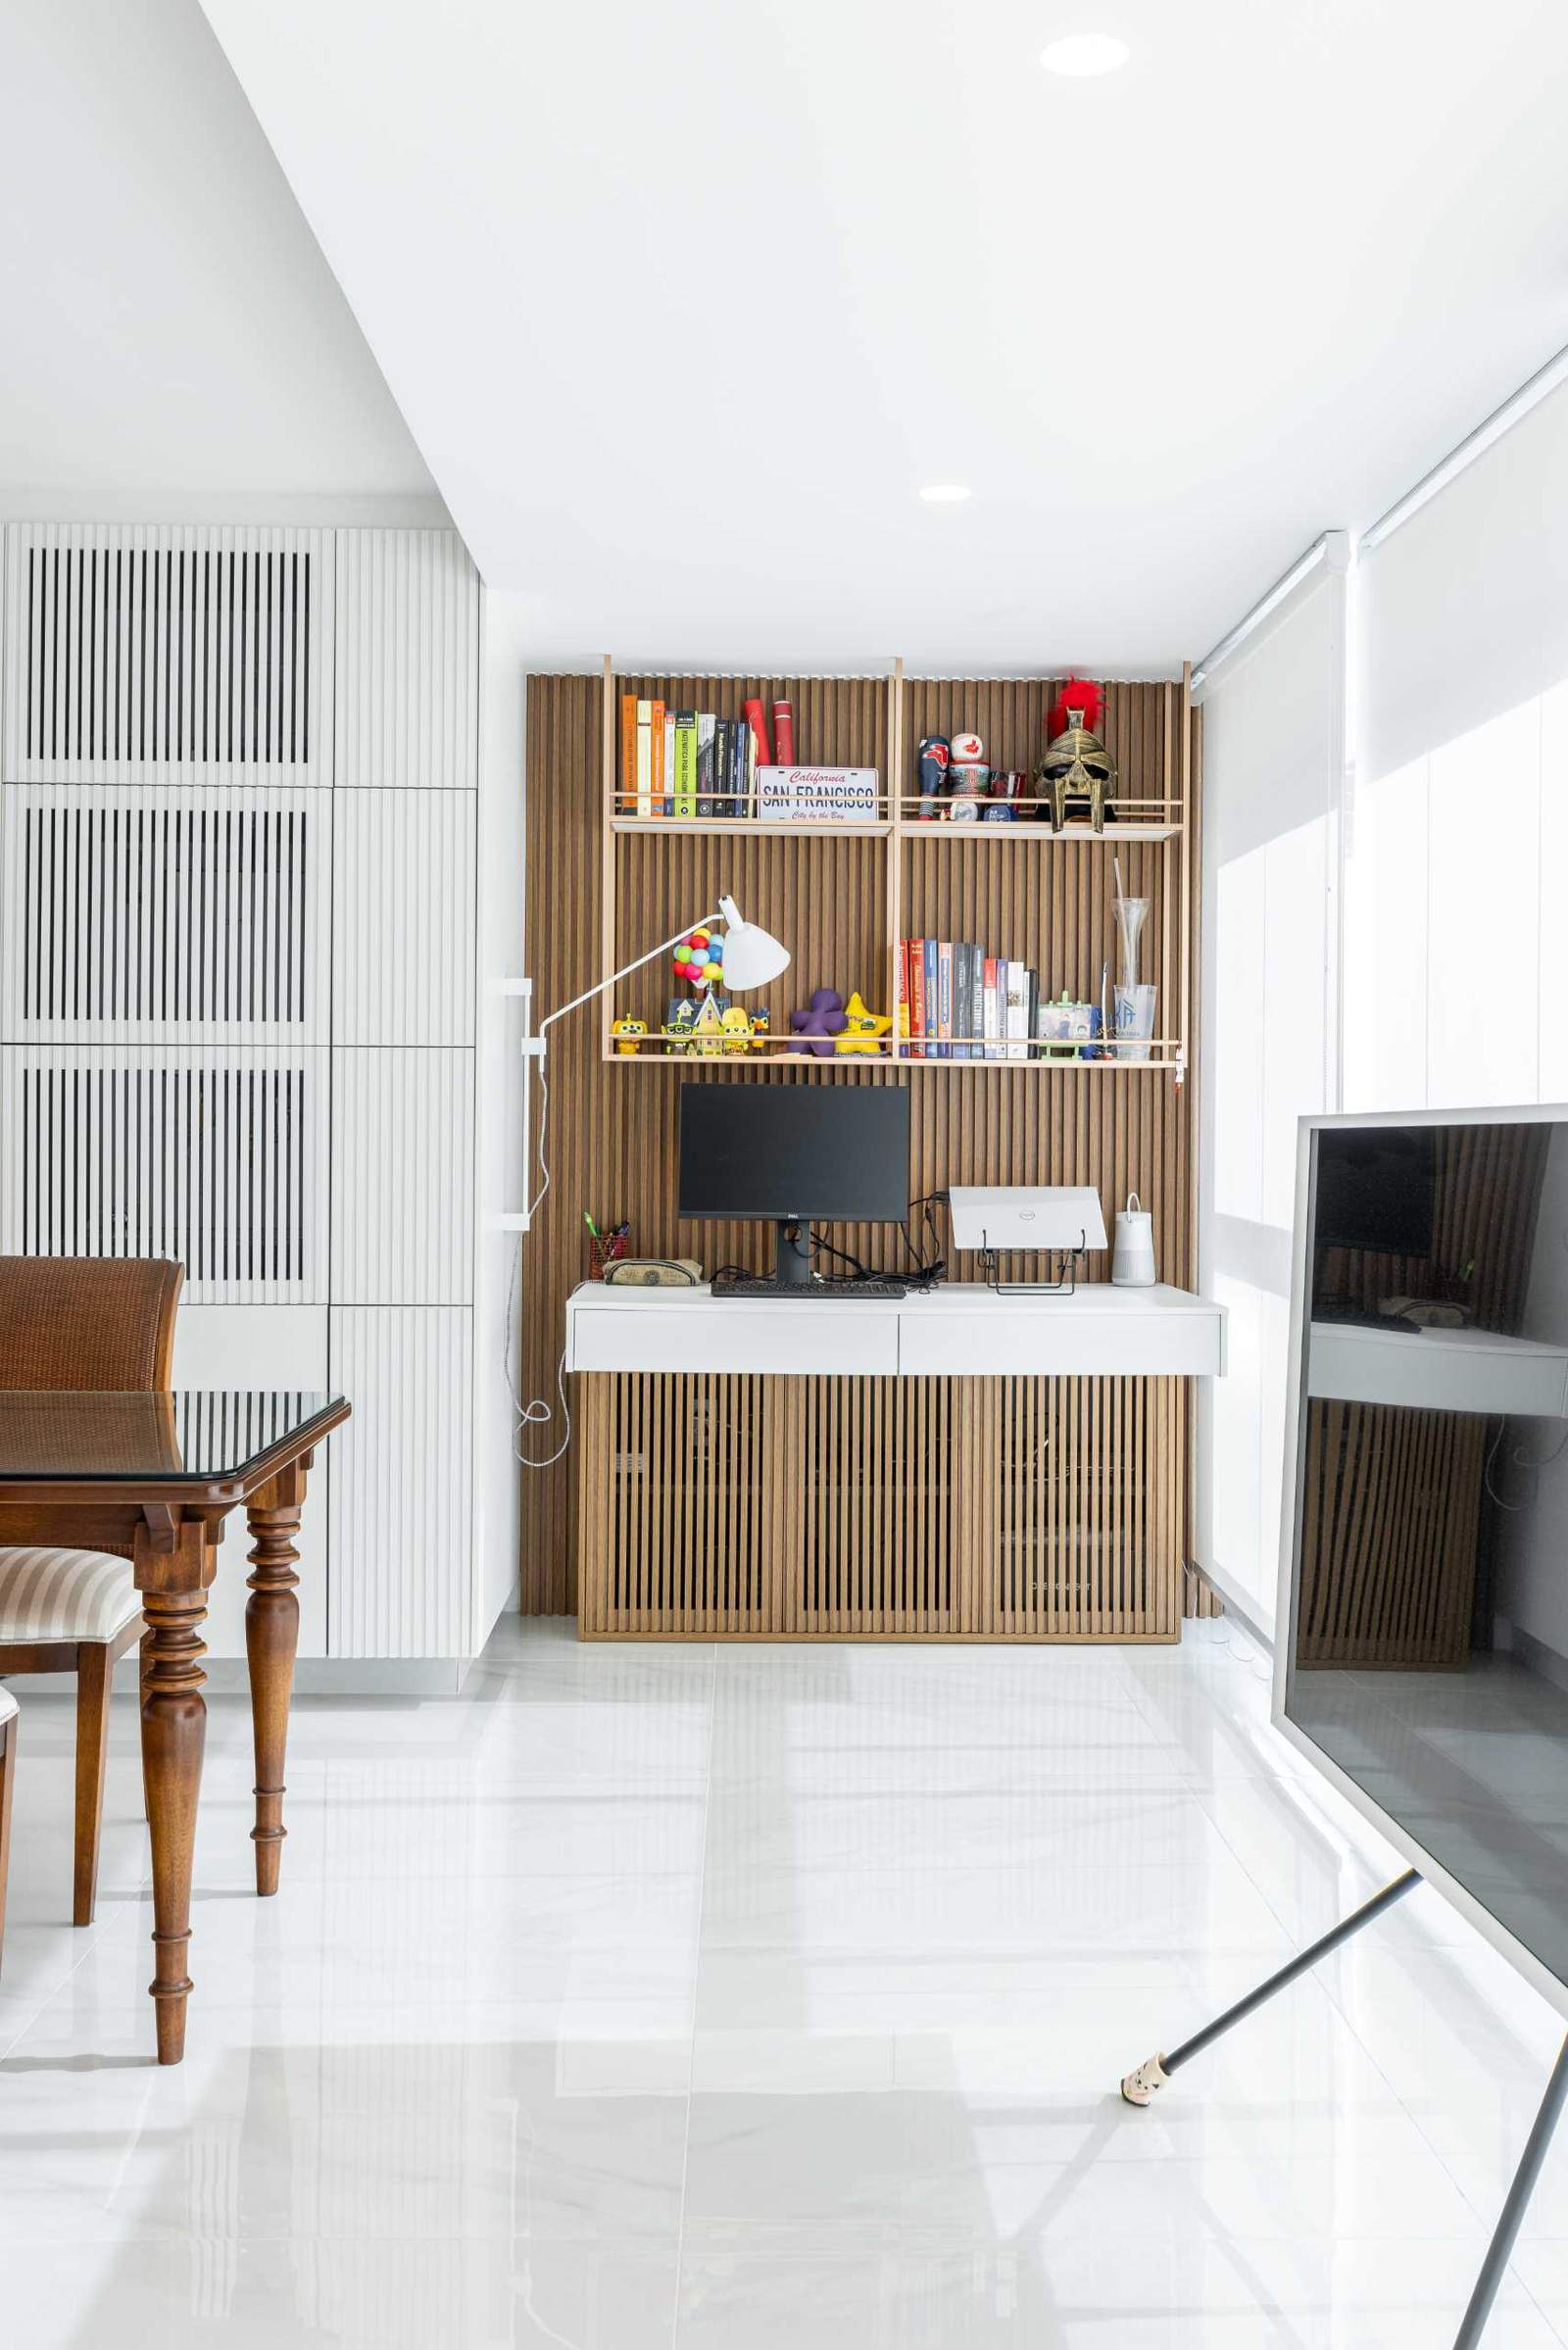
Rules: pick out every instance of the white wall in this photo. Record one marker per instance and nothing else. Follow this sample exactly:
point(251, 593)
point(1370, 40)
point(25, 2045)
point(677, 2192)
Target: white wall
point(1273, 757)
point(172, 334)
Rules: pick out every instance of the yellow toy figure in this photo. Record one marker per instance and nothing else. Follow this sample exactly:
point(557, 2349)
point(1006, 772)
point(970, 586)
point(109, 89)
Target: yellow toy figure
point(620, 1029)
point(737, 1028)
point(862, 1030)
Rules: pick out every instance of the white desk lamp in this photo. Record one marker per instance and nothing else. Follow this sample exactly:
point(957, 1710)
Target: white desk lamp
point(751, 958)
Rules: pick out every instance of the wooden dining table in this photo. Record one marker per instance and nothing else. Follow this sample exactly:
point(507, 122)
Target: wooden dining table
point(154, 1478)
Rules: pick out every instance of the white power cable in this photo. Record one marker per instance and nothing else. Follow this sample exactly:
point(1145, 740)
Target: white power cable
point(540, 1412)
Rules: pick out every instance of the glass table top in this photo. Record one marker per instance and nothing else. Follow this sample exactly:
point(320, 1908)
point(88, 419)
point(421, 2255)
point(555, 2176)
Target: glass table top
point(209, 1436)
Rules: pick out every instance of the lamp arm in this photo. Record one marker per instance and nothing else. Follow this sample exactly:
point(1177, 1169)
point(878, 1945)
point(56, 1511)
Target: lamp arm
point(536, 1042)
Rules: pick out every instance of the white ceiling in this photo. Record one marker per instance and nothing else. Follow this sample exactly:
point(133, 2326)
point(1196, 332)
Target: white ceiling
point(171, 338)
point(684, 303)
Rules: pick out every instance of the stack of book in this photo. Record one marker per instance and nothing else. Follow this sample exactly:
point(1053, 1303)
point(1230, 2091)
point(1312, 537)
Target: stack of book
point(684, 762)
point(958, 1003)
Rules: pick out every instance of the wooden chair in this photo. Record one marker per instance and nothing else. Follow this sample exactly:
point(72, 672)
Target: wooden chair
point(82, 1322)
point(8, 1759)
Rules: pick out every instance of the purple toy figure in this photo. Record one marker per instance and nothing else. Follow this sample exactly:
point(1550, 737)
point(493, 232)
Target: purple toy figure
point(818, 1026)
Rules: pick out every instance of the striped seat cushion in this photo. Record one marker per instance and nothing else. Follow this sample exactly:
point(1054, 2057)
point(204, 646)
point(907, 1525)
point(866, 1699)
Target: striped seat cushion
point(64, 1596)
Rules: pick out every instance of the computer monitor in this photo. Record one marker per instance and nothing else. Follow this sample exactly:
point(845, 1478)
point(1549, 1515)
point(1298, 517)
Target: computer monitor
point(1375, 1189)
point(810, 1152)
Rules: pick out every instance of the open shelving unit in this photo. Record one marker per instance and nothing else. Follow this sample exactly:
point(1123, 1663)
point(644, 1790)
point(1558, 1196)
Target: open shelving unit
point(604, 884)
point(841, 895)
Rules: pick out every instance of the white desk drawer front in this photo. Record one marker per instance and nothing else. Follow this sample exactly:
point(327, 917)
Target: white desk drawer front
point(851, 1341)
point(961, 1330)
point(1011, 1338)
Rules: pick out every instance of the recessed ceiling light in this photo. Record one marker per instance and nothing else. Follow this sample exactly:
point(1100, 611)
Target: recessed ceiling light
point(1081, 54)
point(945, 493)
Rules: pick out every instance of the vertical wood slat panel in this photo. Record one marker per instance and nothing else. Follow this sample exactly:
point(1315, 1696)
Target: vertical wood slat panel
point(726, 1507)
point(613, 1125)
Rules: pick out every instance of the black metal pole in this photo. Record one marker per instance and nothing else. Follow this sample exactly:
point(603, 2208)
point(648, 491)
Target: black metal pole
point(1504, 2234)
point(1138, 2087)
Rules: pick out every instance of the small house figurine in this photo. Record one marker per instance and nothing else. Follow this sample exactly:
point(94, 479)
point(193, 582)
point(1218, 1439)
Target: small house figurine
point(707, 1029)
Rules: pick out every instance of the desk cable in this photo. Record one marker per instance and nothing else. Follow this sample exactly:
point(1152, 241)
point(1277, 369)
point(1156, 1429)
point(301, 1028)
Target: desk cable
point(540, 1412)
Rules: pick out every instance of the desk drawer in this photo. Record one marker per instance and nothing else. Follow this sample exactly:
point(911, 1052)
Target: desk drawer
point(1158, 1345)
point(794, 1339)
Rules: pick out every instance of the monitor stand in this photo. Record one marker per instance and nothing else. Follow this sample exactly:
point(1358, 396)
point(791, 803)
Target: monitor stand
point(792, 1259)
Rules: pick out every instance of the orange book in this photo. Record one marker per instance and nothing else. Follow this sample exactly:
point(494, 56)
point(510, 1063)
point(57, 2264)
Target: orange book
point(626, 801)
point(657, 745)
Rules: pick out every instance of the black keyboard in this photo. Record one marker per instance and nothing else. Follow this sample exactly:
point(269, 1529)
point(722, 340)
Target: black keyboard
point(757, 1285)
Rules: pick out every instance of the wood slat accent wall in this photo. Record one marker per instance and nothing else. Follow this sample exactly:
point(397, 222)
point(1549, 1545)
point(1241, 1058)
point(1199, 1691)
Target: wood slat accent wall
point(612, 1123)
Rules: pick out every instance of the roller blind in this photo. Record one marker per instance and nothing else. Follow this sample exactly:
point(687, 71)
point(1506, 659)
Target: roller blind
point(1459, 815)
point(1273, 760)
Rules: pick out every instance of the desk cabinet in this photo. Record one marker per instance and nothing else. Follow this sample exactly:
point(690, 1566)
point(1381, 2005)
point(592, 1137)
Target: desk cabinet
point(855, 1471)
point(733, 1506)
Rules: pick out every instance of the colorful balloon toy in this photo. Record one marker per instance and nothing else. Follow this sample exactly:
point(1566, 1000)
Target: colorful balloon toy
point(699, 958)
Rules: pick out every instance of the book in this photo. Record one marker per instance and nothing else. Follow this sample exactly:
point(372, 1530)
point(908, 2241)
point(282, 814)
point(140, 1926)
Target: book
point(655, 741)
point(757, 728)
point(668, 807)
point(974, 1001)
point(704, 762)
point(923, 989)
point(960, 999)
point(733, 754)
point(1032, 1019)
point(990, 1010)
point(628, 801)
point(900, 1009)
point(645, 759)
point(1016, 1026)
point(684, 792)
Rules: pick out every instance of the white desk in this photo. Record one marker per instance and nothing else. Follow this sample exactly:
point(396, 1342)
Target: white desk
point(1438, 1370)
point(952, 1465)
point(961, 1328)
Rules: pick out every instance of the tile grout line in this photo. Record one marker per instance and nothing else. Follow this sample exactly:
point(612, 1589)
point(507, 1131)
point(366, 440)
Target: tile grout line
point(697, 1972)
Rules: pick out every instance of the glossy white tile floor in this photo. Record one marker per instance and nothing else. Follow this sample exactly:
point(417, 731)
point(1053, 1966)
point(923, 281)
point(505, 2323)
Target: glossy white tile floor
point(763, 1999)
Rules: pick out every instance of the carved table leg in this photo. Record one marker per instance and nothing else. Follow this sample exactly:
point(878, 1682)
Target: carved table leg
point(271, 1637)
point(173, 1568)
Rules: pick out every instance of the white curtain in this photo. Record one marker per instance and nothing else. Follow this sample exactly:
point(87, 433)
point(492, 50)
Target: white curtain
point(1456, 866)
point(1273, 766)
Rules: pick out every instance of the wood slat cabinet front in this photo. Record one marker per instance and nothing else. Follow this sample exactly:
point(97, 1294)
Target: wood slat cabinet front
point(722, 1506)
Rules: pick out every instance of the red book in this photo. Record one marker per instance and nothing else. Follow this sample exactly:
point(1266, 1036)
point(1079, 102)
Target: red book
point(783, 734)
point(751, 712)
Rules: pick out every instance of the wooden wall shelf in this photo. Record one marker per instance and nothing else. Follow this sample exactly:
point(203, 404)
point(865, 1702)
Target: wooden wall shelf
point(843, 927)
point(604, 884)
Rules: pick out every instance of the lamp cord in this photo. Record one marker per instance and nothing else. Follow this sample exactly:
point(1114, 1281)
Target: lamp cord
point(540, 1412)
